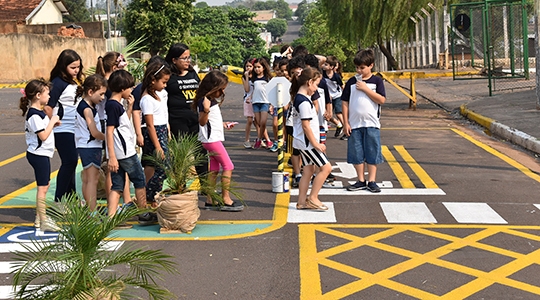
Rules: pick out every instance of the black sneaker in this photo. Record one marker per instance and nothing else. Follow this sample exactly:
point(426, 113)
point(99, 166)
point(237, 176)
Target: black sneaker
point(357, 186)
point(147, 218)
point(235, 206)
point(210, 206)
point(344, 138)
point(296, 181)
point(330, 178)
point(373, 187)
point(339, 130)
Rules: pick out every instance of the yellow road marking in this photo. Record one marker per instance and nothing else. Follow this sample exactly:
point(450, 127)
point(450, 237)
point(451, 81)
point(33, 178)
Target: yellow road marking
point(12, 159)
point(498, 154)
point(402, 177)
point(310, 259)
point(22, 190)
point(419, 171)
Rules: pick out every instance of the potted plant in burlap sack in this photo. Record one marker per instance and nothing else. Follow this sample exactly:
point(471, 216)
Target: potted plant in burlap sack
point(178, 208)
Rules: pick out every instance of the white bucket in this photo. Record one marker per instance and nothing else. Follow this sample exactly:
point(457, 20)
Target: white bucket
point(280, 182)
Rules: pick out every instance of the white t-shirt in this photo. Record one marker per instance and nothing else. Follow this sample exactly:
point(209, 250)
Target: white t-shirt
point(83, 137)
point(123, 136)
point(156, 108)
point(363, 112)
point(64, 104)
point(322, 109)
point(303, 109)
point(212, 131)
point(259, 94)
point(36, 122)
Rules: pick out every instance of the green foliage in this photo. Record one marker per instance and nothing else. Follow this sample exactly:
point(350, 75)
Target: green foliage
point(201, 4)
point(77, 11)
point(316, 36)
point(75, 265)
point(163, 22)
point(230, 33)
point(280, 6)
point(277, 27)
point(303, 10)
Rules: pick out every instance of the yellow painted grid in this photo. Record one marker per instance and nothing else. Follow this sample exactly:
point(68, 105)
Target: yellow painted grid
point(310, 259)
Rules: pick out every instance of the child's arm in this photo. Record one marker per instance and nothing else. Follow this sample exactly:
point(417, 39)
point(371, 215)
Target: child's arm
point(89, 118)
point(311, 138)
point(113, 162)
point(129, 110)
point(153, 134)
point(345, 114)
point(136, 115)
point(245, 82)
point(203, 115)
point(43, 135)
point(328, 111)
point(374, 96)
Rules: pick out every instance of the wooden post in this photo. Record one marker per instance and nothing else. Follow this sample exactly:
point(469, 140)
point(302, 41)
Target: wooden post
point(412, 101)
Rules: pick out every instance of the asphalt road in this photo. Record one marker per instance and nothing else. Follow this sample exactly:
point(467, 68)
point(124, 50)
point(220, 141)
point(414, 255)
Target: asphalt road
point(456, 220)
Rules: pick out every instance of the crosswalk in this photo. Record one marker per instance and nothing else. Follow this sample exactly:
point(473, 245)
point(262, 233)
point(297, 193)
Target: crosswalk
point(412, 213)
point(6, 267)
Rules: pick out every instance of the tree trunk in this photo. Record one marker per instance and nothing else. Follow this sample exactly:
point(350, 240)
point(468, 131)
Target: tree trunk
point(392, 62)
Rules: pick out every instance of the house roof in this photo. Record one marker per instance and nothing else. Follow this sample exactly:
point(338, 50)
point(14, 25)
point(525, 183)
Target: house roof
point(262, 15)
point(17, 10)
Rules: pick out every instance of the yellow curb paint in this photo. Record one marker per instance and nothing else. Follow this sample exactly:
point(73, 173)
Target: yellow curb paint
point(498, 154)
point(419, 171)
point(484, 121)
point(401, 175)
point(12, 159)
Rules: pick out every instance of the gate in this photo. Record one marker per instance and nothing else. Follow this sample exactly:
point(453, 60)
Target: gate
point(491, 36)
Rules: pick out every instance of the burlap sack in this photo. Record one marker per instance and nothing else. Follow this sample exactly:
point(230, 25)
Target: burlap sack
point(178, 211)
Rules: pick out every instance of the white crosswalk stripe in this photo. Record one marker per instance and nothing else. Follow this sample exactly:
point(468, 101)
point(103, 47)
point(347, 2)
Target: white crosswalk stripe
point(6, 267)
point(407, 212)
point(472, 212)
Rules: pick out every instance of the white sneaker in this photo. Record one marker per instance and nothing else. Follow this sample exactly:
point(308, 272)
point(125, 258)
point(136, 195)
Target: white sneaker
point(247, 145)
point(49, 225)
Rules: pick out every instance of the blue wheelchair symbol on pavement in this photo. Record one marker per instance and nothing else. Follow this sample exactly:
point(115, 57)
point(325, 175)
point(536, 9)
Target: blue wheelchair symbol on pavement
point(26, 234)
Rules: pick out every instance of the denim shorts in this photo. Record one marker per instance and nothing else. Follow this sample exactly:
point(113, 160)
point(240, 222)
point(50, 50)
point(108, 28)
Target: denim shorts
point(42, 168)
point(132, 166)
point(90, 157)
point(260, 107)
point(337, 105)
point(364, 145)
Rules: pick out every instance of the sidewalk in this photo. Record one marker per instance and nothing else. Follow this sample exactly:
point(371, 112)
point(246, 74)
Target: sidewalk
point(511, 115)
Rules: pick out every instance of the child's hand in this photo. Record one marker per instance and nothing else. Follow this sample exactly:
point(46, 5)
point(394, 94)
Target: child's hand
point(160, 153)
point(140, 140)
point(321, 147)
point(248, 99)
point(346, 129)
point(56, 120)
point(361, 85)
point(130, 100)
point(229, 125)
point(113, 165)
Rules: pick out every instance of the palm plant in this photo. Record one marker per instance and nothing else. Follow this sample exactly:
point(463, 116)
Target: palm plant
point(73, 267)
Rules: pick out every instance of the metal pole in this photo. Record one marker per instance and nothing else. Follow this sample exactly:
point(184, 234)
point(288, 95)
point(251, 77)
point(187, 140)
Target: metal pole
point(281, 154)
point(537, 48)
point(417, 41)
point(429, 40)
point(423, 45)
point(446, 21)
point(108, 19)
point(437, 37)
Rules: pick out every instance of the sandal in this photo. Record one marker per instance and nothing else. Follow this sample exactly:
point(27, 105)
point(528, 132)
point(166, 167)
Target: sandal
point(300, 207)
point(311, 205)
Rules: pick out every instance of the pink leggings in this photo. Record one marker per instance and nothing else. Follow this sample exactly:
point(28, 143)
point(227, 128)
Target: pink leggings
point(218, 156)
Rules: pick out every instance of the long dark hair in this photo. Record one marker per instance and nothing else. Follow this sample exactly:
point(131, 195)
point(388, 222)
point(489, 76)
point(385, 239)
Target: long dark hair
point(154, 72)
point(307, 74)
point(65, 58)
point(106, 63)
point(92, 82)
point(266, 67)
point(210, 85)
point(30, 91)
point(175, 51)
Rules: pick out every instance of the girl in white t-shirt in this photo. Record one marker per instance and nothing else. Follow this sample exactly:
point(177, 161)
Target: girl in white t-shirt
point(208, 99)
point(306, 138)
point(40, 141)
point(89, 136)
point(156, 117)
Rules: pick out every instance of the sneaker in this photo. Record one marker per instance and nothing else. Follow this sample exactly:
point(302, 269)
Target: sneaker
point(373, 187)
point(269, 144)
point(210, 206)
point(257, 144)
point(344, 138)
point(289, 162)
point(147, 218)
point(247, 145)
point(274, 147)
point(235, 206)
point(49, 225)
point(357, 186)
point(330, 178)
point(328, 185)
point(37, 222)
point(296, 181)
point(339, 130)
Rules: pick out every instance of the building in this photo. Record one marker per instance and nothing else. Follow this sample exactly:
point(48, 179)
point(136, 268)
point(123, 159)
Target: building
point(32, 12)
point(263, 16)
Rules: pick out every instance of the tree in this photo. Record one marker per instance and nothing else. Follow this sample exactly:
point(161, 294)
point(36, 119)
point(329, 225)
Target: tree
point(303, 10)
point(77, 11)
point(161, 22)
point(277, 27)
point(373, 22)
point(201, 4)
point(246, 31)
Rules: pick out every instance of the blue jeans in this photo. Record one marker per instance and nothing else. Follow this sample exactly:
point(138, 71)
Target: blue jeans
point(131, 166)
point(364, 145)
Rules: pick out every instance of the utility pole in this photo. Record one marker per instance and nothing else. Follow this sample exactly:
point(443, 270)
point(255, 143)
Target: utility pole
point(537, 48)
point(108, 19)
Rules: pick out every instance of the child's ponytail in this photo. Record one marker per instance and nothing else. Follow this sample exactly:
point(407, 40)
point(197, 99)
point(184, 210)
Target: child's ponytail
point(297, 81)
point(30, 92)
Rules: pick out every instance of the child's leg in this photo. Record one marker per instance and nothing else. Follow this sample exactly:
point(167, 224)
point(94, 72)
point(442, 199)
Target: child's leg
point(318, 182)
point(360, 172)
point(41, 206)
point(112, 202)
point(258, 124)
point(133, 168)
point(127, 192)
point(372, 172)
point(90, 182)
point(262, 124)
point(304, 184)
point(249, 121)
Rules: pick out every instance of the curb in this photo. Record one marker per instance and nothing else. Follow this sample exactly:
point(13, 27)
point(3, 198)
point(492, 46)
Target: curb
point(511, 134)
point(14, 85)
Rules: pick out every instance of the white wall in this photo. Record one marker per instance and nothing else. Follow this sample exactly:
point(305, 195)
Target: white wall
point(47, 14)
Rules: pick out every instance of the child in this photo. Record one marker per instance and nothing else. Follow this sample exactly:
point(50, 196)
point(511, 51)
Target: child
point(362, 98)
point(335, 86)
point(156, 117)
point(208, 99)
point(40, 141)
point(248, 108)
point(121, 146)
point(259, 99)
point(306, 139)
point(88, 135)
point(294, 68)
point(65, 77)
